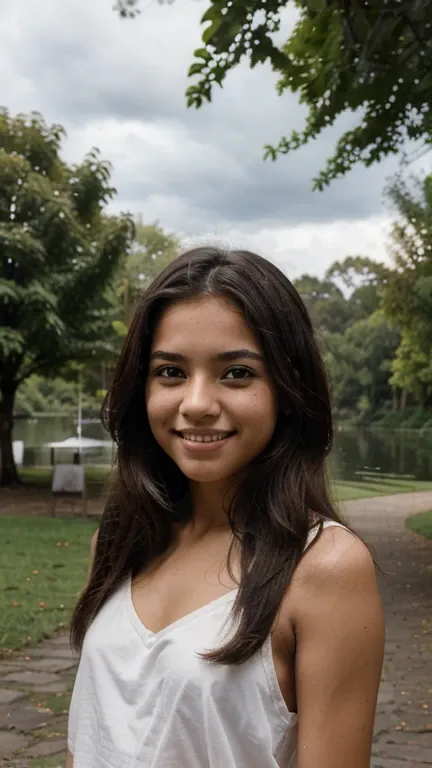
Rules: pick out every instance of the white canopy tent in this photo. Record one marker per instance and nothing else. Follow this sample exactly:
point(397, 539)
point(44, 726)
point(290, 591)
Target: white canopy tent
point(80, 443)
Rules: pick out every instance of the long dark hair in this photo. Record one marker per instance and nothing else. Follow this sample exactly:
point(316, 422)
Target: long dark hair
point(270, 514)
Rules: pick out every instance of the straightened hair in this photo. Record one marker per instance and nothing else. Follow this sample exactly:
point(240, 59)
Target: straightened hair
point(285, 487)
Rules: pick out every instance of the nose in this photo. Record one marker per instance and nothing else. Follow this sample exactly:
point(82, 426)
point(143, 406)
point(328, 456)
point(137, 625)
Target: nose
point(199, 399)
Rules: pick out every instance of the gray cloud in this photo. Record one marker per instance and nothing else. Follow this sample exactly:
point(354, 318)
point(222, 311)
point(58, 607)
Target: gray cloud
point(121, 85)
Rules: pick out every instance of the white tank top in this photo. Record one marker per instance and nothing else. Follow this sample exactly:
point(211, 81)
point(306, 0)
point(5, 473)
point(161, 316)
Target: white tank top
point(147, 700)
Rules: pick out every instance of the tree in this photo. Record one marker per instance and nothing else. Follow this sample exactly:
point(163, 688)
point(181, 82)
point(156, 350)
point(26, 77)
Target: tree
point(358, 342)
point(327, 306)
point(59, 253)
point(152, 250)
point(412, 369)
point(407, 297)
point(372, 58)
point(360, 362)
point(365, 279)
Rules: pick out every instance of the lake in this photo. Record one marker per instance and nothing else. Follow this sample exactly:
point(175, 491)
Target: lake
point(384, 451)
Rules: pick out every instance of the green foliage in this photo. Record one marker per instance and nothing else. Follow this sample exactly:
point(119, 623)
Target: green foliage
point(412, 367)
point(129, 9)
point(325, 302)
point(365, 279)
point(358, 342)
point(373, 59)
point(59, 255)
point(375, 323)
point(153, 249)
point(39, 395)
point(407, 296)
point(150, 252)
point(360, 361)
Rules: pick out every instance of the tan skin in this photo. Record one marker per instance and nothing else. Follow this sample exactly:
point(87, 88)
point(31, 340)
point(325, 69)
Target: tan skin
point(328, 638)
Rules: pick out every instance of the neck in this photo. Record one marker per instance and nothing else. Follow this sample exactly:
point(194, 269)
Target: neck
point(210, 504)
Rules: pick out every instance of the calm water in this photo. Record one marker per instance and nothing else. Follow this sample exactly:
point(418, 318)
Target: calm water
point(387, 451)
point(35, 433)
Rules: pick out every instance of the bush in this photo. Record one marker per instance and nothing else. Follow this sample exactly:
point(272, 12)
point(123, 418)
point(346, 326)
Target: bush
point(415, 419)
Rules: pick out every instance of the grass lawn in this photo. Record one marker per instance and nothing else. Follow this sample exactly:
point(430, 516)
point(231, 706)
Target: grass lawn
point(43, 567)
point(44, 561)
point(421, 524)
point(371, 484)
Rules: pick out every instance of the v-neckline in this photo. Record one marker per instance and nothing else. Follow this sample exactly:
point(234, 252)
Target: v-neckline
point(147, 633)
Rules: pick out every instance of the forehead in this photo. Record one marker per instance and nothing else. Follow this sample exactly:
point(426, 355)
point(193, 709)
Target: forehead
point(214, 323)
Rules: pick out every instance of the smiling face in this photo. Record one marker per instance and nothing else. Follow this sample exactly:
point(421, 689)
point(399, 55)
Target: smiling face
point(210, 401)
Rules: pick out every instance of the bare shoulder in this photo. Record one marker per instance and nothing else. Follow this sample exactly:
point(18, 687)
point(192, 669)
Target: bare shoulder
point(337, 564)
point(337, 553)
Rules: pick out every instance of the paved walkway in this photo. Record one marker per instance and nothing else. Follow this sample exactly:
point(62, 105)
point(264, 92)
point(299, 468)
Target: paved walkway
point(35, 685)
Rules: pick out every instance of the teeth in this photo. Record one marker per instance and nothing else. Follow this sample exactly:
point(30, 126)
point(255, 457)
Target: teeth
point(203, 438)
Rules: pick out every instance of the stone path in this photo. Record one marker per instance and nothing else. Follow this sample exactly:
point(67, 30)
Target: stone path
point(403, 728)
point(35, 690)
point(35, 684)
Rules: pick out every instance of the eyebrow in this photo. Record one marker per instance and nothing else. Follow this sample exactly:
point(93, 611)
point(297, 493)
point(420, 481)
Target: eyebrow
point(232, 354)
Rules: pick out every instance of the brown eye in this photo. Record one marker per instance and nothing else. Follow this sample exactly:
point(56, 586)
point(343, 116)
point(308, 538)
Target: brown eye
point(239, 373)
point(169, 372)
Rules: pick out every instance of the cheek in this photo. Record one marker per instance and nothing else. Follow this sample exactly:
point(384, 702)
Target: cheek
point(260, 410)
point(159, 404)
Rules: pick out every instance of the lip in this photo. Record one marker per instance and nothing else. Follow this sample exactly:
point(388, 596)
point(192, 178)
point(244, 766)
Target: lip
point(193, 446)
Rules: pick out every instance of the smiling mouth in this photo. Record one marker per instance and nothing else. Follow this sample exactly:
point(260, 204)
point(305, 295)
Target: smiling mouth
point(210, 437)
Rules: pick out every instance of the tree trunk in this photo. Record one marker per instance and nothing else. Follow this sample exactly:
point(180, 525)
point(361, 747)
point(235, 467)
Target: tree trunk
point(423, 395)
point(8, 471)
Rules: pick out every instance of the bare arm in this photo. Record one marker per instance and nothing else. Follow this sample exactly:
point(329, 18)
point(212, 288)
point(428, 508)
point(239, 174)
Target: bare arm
point(340, 644)
point(69, 760)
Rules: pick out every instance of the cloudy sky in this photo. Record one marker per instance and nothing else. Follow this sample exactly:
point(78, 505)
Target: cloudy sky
point(119, 85)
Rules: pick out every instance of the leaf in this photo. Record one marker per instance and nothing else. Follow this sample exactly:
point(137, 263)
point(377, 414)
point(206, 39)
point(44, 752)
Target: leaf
point(211, 14)
point(202, 53)
point(196, 68)
point(211, 31)
point(425, 83)
point(270, 152)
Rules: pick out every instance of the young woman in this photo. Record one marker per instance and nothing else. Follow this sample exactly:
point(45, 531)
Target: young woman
point(230, 619)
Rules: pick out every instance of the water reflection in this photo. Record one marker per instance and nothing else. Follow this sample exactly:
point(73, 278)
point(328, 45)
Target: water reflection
point(35, 433)
point(382, 451)
point(386, 451)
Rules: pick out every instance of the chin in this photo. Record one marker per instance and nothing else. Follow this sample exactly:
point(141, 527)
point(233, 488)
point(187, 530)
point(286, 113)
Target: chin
point(206, 474)
point(206, 477)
